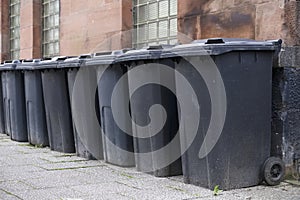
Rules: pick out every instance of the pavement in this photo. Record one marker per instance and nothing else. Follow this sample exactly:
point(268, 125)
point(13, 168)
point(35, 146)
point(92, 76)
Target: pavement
point(28, 172)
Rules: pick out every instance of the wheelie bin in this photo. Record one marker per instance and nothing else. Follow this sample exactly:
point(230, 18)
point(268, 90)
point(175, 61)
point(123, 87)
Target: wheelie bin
point(34, 101)
point(82, 83)
point(225, 112)
point(57, 105)
point(2, 118)
point(117, 143)
point(14, 101)
point(153, 111)
point(4, 100)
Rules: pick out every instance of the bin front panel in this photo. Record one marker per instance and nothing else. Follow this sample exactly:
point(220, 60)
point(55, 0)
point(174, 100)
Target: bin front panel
point(118, 145)
point(16, 106)
point(84, 104)
point(35, 109)
point(244, 144)
point(141, 101)
point(58, 113)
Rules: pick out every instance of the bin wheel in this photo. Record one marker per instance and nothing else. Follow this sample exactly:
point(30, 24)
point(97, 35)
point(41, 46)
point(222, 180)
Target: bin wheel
point(273, 171)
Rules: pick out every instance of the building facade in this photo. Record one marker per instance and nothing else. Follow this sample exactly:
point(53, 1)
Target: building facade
point(46, 28)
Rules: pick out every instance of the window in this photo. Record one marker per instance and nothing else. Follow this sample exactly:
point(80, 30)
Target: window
point(50, 41)
point(14, 27)
point(155, 22)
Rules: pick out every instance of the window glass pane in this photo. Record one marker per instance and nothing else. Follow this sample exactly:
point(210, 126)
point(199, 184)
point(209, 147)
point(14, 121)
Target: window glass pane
point(163, 9)
point(163, 29)
point(51, 21)
point(153, 11)
point(152, 31)
point(14, 1)
point(46, 50)
point(46, 8)
point(142, 13)
point(173, 7)
point(51, 49)
point(174, 41)
point(51, 7)
point(17, 44)
point(153, 43)
point(139, 46)
point(143, 1)
point(46, 36)
point(56, 47)
point(173, 27)
point(15, 21)
point(56, 20)
point(51, 35)
point(142, 33)
point(56, 6)
point(56, 34)
point(163, 42)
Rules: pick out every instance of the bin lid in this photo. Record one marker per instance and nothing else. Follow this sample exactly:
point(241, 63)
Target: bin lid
point(74, 61)
point(106, 58)
point(28, 64)
point(10, 65)
point(52, 63)
point(217, 46)
point(146, 53)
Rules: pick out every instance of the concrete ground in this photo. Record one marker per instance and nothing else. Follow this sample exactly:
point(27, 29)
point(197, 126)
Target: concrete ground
point(32, 173)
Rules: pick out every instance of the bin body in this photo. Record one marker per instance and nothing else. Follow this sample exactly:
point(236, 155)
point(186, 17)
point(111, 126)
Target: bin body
point(2, 113)
point(57, 107)
point(5, 103)
point(142, 100)
point(35, 108)
point(15, 103)
point(117, 145)
point(236, 159)
point(84, 109)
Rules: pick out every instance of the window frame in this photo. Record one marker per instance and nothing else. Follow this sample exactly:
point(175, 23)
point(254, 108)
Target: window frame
point(50, 28)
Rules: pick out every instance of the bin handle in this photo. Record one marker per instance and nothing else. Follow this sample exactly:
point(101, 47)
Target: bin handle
point(85, 56)
point(215, 41)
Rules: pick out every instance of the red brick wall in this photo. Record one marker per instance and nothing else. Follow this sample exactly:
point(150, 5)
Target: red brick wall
point(86, 26)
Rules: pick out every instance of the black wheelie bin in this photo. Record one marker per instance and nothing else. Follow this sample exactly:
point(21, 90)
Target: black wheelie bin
point(82, 83)
point(57, 105)
point(34, 101)
point(153, 111)
point(117, 142)
point(225, 118)
point(2, 116)
point(14, 101)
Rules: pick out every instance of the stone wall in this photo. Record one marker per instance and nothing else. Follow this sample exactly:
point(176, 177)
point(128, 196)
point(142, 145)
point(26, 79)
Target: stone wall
point(91, 26)
point(30, 29)
point(4, 31)
point(254, 19)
